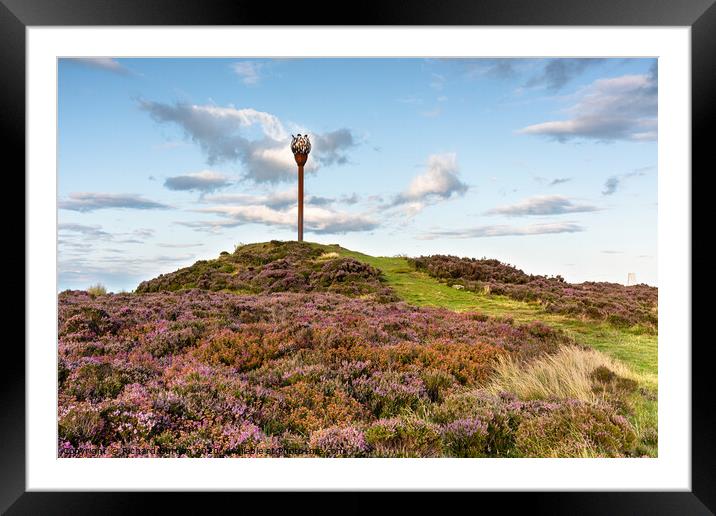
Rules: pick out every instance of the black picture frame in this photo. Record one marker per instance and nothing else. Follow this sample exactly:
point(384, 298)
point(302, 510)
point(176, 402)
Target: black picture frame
point(17, 15)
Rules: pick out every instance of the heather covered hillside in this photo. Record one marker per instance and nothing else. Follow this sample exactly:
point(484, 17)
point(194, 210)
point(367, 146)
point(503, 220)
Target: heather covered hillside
point(298, 349)
point(618, 304)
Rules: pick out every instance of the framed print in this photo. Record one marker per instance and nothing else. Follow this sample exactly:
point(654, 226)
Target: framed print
point(446, 248)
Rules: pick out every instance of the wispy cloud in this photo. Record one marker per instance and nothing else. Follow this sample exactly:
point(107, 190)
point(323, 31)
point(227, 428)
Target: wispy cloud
point(83, 240)
point(279, 208)
point(552, 74)
point(410, 99)
point(331, 147)
point(613, 183)
point(552, 182)
point(180, 246)
point(103, 63)
point(317, 219)
point(248, 71)
point(440, 181)
point(209, 226)
point(437, 81)
point(91, 201)
point(432, 113)
point(353, 198)
point(275, 199)
point(505, 230)
point(542, 205)
point(69, 232)
point(620, 108)
point(73, 246)
point(221, 133)
point(495, 68)
point(558, 72)
point(84, 230)
point(203, 181)
point(143, 233)
point(281, 199)
point(115, 267)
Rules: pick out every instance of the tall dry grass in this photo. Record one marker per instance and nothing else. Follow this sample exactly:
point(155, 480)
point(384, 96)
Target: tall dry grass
point(328, 256)
point(566, 374)
point(97, 290)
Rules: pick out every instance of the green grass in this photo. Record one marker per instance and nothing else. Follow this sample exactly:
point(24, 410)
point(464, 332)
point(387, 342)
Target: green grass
point(632, 346)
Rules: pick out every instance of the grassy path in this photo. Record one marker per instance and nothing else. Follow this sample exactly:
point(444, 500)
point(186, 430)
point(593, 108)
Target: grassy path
point(634, 348)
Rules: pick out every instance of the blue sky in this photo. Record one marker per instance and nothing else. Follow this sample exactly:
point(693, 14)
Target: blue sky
point(547, 164)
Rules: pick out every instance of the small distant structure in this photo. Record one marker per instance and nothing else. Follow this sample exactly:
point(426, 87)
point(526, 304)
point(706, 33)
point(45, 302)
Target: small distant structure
point(631, 278)
point(301, 147)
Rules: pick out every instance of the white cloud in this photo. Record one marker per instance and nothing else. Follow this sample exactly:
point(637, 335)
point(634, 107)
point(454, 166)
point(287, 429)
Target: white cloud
point(84, 230)
point(223, 135)
point(211, 226)
point(231, 117)
point(276, 200)
point(203, 181)
point(558, 72)
point(331, 146)
point(620, 108)
point(180, 246)
point(559, 181)
point(274, 163)
point(440, 181)
point(280, 199)
point(552, 74)
point(505, 230)
point(437, 81)
point(95, 232)
point(76, 242)
point(103, 63)
point(432, 113)
point(122, 265)
point(249, 71)
point(317, 219)
point(91, 201)
point(410, 99)
point(542, 205)
point(613, 183)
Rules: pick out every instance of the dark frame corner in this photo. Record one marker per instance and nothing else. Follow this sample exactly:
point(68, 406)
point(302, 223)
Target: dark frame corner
point(700, 15)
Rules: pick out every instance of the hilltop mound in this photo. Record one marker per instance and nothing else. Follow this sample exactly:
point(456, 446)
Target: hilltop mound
point(277, 266)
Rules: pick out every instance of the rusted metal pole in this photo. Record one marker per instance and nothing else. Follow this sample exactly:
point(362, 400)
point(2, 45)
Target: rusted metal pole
point(300, 203)
point(301, 147)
